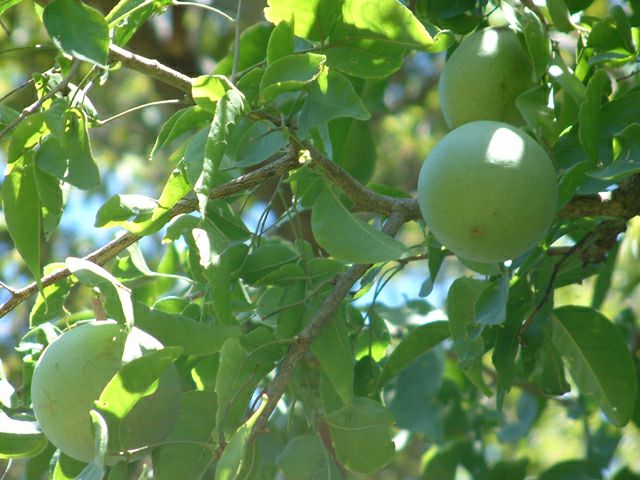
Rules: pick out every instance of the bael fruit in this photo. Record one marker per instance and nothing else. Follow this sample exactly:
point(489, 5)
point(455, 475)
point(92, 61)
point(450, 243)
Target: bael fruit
point(71, 374)
point(488, 191)
point(483, 77)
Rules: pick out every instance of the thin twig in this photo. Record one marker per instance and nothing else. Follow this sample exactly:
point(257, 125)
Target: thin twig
point(556, 269)
point(136, 108)
point(35, 106)
point(236, 46)
point(19, 87)
point(176, 3)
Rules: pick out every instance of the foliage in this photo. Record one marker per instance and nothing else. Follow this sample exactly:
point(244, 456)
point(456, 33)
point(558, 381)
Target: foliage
point(262, 238)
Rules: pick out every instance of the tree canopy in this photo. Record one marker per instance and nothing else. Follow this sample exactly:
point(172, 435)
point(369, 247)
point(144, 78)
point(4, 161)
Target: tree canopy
point(239, 180)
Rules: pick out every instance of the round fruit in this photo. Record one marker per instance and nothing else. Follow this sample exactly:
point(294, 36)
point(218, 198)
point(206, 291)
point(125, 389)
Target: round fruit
point(483, 77)
point(488, 191)
point(71, 374)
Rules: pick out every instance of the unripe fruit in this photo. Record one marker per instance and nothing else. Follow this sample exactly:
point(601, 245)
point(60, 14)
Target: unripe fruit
point(72, 372)
point(488, 191)
point(483, 77)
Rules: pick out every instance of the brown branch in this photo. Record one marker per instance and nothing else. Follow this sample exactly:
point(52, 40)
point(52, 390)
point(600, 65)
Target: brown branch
point(363, 198)
point(327, 310)
point(35, 106)
point(150, 67)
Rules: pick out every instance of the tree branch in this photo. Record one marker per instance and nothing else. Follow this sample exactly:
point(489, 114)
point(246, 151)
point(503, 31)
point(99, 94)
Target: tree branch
point(150, 67)
point(327, 310)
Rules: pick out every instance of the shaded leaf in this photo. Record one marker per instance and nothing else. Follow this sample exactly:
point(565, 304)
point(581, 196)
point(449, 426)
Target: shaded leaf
point(333, 349)
point(195, 338)
point(305, 458)
point(330, 96)
point(185, 454)
point(417, 342)
point(362, 426)
point(20, 438)
point(358, 241)
point(597, 358)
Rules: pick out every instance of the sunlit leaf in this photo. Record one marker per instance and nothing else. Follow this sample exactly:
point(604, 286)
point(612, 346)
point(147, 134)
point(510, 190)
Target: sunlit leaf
point(78, 30)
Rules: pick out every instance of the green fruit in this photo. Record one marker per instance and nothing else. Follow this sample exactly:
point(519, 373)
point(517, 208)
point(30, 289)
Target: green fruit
point(488, 191)
point(71, 374)
point(483, 77)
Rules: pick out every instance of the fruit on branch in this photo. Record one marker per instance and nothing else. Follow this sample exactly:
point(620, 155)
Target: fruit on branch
point(483, 77)
point(72, 373)
point(488, 191)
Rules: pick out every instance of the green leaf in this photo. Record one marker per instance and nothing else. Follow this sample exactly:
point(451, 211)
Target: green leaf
point(589, 114)
point(51, 305)
point(305, 458)
point(26, 135)
point(461, 300)
point(361, 435)
point(491, 307)
point(128, 16)
point(568, 470)
point(52, 195)
point(290, 73)
point(229, 110)
point(417, 342)
point(330, 96)
point(265, 259)
point(598, 359)
point(253, 49)
point(70, 158)
point(207, 90)
point(78, 30)
point(566, 79)
point(19, 438)
point(371, 38)
point(412, 397)
point(358, 241)
point(121, 208)
point(260, 142)
point(137, 379)
point(7, 4)
point(540, 117)
point(237, 378)
point(222, 277)
point(90, 273)
point(537, 41)
point(441, 462)
point(333, 350)
point(195, 338)
point(21, 208)
point(179, 123)
point(67, 468)
point(560, 15)
point(387, 20)
point(186, 454)
point(281, 41)
point(354, 147)
point(313, 19)
point(231, 462)
point(468, 343)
